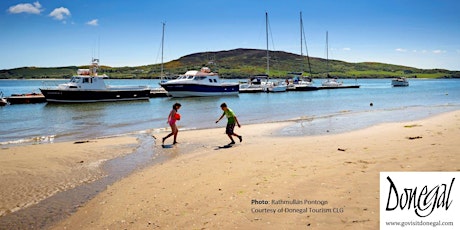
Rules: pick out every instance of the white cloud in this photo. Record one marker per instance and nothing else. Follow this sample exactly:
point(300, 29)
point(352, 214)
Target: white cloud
point(346, 49)
point(94, 22)
point(439, 51)
point(401, 50)
point(60, 13)
point(28, 8)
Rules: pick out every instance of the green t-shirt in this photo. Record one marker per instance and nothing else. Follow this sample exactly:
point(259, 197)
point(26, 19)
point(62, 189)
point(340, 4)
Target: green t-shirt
point(230, 116)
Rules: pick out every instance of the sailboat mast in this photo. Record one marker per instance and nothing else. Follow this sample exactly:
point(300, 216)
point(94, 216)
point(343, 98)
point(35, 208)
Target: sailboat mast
point(266, 33)
point(301, 36)
point(162, 47)
point(327, 53)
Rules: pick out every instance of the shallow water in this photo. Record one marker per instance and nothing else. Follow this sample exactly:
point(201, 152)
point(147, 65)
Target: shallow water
point(41, 123)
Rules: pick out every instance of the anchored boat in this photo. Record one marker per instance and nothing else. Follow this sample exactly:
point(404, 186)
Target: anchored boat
point(88, 86)
point(399, 82)
point(199, 84)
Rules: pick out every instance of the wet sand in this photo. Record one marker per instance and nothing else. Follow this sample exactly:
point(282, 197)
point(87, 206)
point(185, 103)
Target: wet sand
point(30, 174)
point(323, 182)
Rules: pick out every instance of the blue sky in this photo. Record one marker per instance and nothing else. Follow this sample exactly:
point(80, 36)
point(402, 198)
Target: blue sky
point(50, 33)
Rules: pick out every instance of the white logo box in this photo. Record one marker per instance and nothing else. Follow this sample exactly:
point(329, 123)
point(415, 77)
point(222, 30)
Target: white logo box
point(419, 200)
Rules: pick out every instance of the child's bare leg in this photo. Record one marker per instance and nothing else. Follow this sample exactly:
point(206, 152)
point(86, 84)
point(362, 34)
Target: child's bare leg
point(175, 135)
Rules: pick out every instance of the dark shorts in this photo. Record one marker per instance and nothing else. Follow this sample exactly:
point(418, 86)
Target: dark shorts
point(229, 129)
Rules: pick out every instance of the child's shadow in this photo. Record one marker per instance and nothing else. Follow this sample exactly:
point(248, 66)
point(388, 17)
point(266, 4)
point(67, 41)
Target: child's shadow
point(167, 146)
point(223, 147)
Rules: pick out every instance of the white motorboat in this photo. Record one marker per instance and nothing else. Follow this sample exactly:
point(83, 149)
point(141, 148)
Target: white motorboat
point(399, 82)
point(88, 86)
point(199, 84)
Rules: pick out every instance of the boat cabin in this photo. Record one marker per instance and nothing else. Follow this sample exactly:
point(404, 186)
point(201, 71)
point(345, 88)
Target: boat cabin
point(83, 81)
point(204, 76)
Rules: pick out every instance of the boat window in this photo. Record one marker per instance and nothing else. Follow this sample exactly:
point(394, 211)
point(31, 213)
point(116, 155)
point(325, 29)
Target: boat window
point(215, 80)
point(74, 79)
point(85, 80)
point(190, 77)
point(198, 78)
point(210, 80)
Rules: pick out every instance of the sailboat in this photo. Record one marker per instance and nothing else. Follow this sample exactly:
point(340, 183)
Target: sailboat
point(272, 86)
point(299, 82)
point(261, 83)
point(330, 82)
point(160, 91)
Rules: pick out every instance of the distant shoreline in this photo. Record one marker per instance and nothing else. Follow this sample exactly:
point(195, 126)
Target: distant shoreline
point(243, 63)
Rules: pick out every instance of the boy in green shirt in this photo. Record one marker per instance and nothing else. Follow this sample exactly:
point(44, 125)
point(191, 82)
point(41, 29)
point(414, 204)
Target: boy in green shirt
point(231, 121)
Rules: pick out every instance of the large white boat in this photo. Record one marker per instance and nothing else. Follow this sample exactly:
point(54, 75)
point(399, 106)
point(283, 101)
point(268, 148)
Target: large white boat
point(88, 86)
point(400, 81)
point(200, 84)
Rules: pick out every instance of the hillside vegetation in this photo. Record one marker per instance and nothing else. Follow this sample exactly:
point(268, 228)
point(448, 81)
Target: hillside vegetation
point(242, 63)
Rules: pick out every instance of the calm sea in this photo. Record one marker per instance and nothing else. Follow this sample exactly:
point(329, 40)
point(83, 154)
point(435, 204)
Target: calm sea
point(315, 112)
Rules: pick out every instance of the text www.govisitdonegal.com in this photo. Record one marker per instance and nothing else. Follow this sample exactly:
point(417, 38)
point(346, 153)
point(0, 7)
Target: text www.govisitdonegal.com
point(419, 223)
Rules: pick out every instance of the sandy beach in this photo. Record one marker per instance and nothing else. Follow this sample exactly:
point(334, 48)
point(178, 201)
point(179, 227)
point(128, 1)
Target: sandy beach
point(268, 181)
point(29, 174)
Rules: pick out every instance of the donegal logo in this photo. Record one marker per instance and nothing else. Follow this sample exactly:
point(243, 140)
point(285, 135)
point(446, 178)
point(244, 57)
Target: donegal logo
point(419, 199)
point(423, 200)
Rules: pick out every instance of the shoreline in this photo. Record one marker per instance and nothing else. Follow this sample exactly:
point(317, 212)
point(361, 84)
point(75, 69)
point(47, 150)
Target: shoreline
point(320, 125)
point(266, 166)
point(32, 173)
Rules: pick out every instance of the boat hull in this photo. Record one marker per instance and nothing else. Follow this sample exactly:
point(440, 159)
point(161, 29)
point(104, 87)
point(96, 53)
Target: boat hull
point(252, 90)
point(302, 88)
point(277, 89)
point(399, 83)
point(200, 90)
point(79, 96)
point(26, 99)
point(339, 87)
point(3, 102)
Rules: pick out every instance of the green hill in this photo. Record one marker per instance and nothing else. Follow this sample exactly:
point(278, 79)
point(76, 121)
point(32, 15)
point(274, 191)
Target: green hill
point(242, 63)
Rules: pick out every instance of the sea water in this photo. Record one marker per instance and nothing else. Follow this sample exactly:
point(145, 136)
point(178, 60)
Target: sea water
point(313, 112)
